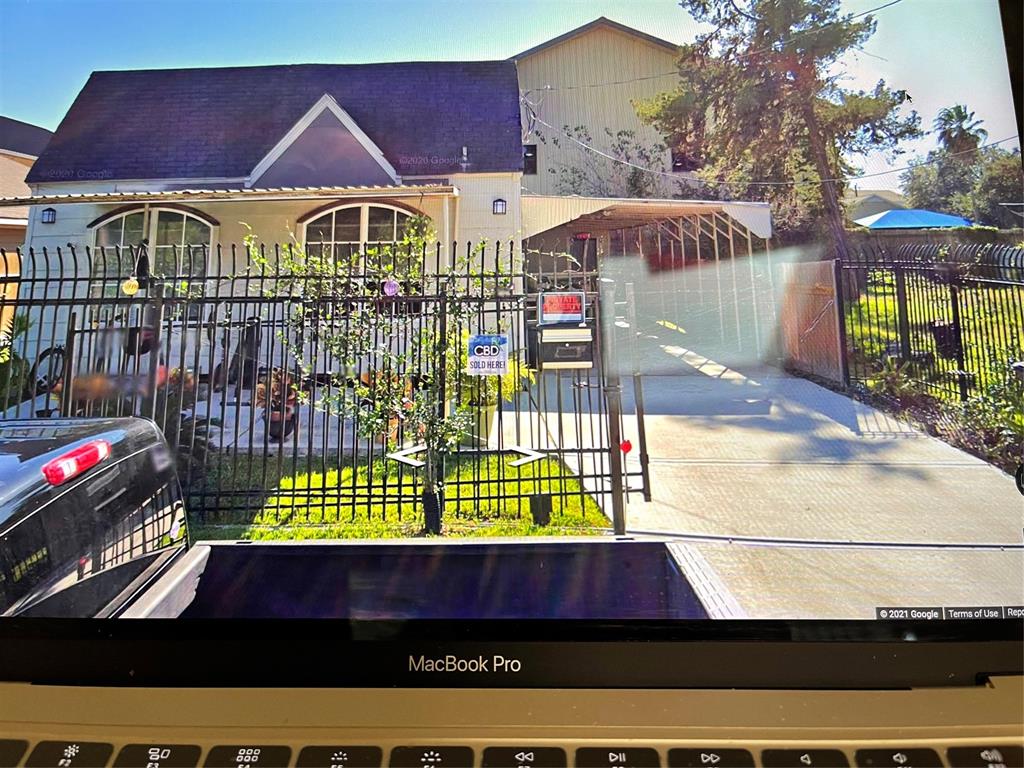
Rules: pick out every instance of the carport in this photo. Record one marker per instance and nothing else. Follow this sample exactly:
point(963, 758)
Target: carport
point(668, 234)
point(703, 267)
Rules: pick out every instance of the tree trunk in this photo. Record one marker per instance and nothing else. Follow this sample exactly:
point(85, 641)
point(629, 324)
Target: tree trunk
point(819, 155)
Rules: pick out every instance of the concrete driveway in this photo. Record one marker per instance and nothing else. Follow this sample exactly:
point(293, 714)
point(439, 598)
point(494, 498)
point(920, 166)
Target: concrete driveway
point(789, 500)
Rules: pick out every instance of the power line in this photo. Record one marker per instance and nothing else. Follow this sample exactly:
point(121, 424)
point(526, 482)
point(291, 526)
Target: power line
point(746, 54)
point(673, 175)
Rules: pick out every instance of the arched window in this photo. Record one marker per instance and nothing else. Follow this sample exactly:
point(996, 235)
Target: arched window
point(178, 241)
point(344, 229)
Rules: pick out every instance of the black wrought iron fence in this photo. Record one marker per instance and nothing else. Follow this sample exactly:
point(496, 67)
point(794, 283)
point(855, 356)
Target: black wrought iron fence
point(950, 320)
point(296, 389)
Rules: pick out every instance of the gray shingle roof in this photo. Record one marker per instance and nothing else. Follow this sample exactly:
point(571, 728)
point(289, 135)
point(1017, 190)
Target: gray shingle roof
point(24, 138)
point(214, 123)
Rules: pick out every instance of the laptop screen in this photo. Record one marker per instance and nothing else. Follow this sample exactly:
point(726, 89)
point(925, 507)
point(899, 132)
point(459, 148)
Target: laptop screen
point(660, 312)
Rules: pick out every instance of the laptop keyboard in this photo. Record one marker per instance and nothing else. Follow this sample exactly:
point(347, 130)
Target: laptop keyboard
point(91, 754)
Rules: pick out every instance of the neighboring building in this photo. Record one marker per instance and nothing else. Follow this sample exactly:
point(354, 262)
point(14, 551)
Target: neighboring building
point(20, 145)
point(590, 77)
point(861, 203)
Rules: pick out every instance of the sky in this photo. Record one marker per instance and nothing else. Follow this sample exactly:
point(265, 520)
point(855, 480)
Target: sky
point(942, 51)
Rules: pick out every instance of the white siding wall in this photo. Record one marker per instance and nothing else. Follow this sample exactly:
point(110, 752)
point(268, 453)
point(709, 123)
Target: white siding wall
point(602, 55)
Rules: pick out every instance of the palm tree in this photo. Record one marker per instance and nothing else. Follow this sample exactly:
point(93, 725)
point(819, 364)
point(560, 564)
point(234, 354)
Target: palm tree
point(958, 130)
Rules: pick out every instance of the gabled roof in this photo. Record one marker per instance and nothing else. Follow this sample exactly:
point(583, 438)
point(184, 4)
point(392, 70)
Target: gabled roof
point(23, 138)
point(220, 123)
point(860, 195)
point(597, 23)
point(328, 104)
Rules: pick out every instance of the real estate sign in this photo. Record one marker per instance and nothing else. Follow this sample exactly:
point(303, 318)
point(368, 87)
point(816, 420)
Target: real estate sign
point(488, 355)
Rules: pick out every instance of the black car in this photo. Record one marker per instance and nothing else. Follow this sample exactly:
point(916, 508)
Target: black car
point(90, 514)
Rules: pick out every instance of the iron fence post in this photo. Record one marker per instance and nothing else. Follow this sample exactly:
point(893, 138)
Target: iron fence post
point(902, 314)
point(961, 372)
point(433, 493)
point(154, 354)
point(840, 305)
point(69, 366)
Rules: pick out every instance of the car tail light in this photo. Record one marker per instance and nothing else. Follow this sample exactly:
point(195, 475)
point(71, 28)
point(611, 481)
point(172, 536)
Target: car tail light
point(75, 462)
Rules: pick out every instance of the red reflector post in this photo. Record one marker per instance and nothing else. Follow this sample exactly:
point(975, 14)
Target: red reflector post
point(75, 462)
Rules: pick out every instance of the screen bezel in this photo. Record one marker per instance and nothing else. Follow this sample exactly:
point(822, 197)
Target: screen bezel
point(861, 654)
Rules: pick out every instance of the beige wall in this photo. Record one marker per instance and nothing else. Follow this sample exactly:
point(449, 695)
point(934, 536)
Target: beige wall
point(475, 220)
point(601, 55)
point(469, 214)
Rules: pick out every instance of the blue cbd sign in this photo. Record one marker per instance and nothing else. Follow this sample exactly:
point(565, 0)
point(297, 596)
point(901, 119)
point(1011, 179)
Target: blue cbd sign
point(488, 355)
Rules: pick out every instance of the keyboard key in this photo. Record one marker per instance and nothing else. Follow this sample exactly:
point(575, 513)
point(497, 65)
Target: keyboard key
point(900, 758)
point(431, 757)
point(524, 757)
point(710, 757)
point(11, 752)
point(70, 754)
point(340, 757)
point(984, 757)
point(158, 756)
point(804, 758)
point(617, 757)
point(248, 756)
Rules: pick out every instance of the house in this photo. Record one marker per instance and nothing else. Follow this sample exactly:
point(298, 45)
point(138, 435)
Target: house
point(336, 156)
point(861, 203)
point(342, 154)
point(20, 145)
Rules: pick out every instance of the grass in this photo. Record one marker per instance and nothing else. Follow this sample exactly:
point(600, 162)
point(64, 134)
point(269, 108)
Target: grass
point(306, 500)
point(992, 326)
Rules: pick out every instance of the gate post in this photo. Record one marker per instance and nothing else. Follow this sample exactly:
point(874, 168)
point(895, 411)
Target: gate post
point(613, 394)
point(638, 394)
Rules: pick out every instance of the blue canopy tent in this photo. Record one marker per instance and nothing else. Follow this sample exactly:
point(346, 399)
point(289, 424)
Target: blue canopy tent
point(912, 218)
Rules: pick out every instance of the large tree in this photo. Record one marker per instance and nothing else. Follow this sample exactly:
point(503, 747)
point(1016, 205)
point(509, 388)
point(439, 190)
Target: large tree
point(1000, 182)
point(976, 187)
point(759, 99)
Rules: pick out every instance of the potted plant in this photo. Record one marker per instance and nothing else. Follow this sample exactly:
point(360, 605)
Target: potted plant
point(278, 395)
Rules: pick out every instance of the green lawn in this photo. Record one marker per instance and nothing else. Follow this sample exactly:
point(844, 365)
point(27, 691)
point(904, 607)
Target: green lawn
point(302, 500)
point(992, 323)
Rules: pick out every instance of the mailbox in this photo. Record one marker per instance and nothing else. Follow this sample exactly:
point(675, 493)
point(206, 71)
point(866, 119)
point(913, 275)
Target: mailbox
point(564, 340)
point(566, 348)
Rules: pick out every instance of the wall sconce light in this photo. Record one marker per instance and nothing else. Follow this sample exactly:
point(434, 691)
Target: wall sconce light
point(48, 216)
point(500, 207)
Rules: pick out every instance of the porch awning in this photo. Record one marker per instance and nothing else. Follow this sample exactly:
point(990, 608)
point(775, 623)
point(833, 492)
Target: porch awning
point(276, 193)
point(544, 212)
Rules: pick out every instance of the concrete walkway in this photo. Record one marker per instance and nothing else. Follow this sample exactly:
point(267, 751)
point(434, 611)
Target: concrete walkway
point(794, 501)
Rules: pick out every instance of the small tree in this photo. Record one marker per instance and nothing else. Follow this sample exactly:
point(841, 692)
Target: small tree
point(381, 312)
